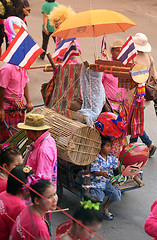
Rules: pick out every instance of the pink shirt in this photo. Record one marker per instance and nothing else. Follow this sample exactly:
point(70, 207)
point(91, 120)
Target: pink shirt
point(12, 205)
point(150, 225)
point(33, 223)
point(43, 159)
point(13, 79)
point(112, 91)
point(3, 185)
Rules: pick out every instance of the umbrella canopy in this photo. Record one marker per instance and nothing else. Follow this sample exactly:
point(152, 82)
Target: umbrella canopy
point(93, 23)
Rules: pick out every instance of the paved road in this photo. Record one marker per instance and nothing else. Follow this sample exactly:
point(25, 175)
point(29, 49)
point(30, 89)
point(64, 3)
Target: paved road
point(134, 208)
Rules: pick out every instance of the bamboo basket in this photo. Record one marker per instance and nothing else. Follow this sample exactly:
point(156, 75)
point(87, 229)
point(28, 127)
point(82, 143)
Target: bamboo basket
point(76, 142)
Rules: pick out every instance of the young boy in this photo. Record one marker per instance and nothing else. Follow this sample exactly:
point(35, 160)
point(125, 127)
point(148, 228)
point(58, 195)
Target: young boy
point(101, 170)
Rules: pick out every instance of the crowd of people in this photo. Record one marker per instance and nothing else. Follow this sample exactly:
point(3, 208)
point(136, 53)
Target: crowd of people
point(36, 173)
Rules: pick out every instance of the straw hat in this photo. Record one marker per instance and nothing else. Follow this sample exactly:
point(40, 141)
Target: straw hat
point(34, 122)
point(141, 42)
point(116, 44)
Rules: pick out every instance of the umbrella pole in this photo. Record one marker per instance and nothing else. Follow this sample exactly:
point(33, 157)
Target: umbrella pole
point(96, 52)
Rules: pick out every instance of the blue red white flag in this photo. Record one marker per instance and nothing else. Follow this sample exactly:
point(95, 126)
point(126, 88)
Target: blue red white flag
point(22, 51)
point(70, 52)
point(128, 51)
point(62, 47)
point(103, 46)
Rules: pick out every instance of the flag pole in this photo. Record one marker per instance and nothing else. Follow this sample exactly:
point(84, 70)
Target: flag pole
point(51, 61)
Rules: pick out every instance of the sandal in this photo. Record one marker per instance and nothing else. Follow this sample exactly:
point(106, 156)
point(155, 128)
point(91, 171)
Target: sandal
point(152, 151)
point(108, 216)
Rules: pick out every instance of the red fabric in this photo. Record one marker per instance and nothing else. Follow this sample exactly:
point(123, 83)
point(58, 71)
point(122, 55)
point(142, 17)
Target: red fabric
point(31, 222)
point(63, 227)
point(150, 225)
point(12, 205)
point(3, 185)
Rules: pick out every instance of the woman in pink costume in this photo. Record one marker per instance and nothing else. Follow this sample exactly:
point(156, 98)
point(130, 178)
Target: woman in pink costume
point(10, 157)
point(13, 87)
point(31, 218)
point(11, 203)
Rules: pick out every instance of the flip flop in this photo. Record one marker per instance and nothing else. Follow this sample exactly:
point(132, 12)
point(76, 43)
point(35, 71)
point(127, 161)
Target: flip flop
point(108, 216)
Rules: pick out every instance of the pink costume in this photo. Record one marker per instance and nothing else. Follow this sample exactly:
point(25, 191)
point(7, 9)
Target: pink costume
point(43, 159)
point(150, 225)
point(60, 57)
point(113, 93)
point(3, 185)
point(13, 79)
point(12, 206)
point(32, 223)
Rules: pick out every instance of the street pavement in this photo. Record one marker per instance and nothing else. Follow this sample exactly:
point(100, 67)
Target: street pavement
point(132, 211)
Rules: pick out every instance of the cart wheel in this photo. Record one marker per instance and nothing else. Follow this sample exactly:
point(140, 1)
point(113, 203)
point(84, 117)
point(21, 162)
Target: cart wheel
point(59, 188)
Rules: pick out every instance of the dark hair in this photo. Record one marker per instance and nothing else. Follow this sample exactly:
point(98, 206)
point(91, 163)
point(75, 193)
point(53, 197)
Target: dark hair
point(50, 0)
point(13, 185)
point(7, 155)
point(104, 140)
point(88, 216)
point(40, 188)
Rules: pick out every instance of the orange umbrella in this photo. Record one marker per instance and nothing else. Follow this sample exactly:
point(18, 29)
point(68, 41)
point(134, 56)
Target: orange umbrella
point(93, 23)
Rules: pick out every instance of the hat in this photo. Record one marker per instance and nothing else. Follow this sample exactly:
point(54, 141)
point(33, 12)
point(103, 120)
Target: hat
point(141, 42)
point(117, 43)
point(34, 122)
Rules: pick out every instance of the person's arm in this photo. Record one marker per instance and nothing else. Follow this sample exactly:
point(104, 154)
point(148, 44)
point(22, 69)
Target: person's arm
point(29, 104)
point(104, 174)
point(45, 23)
point(2, 112)
point(150, 225)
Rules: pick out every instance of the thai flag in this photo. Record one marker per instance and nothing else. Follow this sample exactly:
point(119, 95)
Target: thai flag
point(62, 47)
point(71, 51)
point(128, 51)
point(22, 51)
point(103, 46)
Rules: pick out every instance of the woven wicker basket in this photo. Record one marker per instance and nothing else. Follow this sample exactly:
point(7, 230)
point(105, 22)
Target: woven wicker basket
point(76, 142)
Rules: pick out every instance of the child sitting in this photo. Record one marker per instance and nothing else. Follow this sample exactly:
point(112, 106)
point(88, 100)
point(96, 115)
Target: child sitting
point(101, 170)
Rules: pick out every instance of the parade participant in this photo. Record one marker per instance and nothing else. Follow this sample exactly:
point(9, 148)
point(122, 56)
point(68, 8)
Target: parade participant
point(58, 16)
point(143, 48)
point(150, 225)
point(90, 215)
point(47, 29)
point(10, 157)
point(101, 185)
point(26, 9)
point(13, 87)
point(15, 8)
point(31, 218)
point(11, 200)
point(43, 157)
point(115, 95)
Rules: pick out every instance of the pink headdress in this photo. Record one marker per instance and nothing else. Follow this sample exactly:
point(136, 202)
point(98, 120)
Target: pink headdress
point(32, 179)
point(12, 26)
